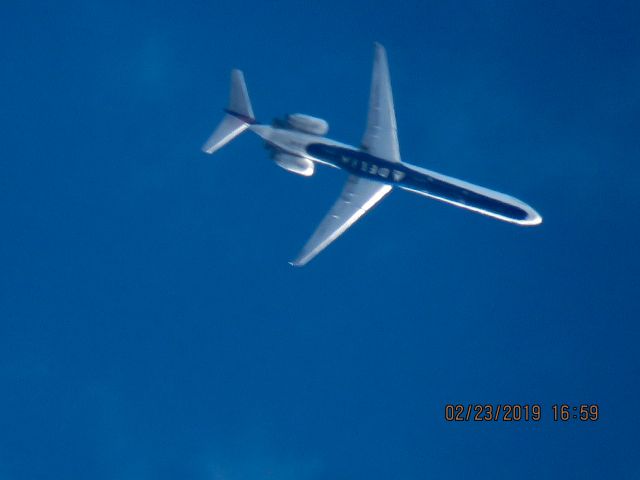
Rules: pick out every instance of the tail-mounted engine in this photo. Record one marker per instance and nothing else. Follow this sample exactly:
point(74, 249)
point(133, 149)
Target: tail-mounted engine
point(308, 124)
point(291, 163)
point(294, 164)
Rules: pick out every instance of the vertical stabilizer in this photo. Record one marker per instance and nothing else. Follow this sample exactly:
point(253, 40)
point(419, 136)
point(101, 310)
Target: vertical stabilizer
point(239, 103)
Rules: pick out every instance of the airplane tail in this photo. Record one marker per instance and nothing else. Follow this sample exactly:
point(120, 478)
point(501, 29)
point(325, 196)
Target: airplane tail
point(238, 117)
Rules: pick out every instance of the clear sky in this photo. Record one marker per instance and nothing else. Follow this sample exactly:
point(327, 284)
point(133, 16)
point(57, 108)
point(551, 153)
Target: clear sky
point(150, 325)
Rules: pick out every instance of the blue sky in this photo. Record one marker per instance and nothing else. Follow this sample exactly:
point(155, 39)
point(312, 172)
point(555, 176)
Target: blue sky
point(150, 326)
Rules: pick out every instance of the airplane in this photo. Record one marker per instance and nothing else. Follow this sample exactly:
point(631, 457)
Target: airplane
point(299, 142)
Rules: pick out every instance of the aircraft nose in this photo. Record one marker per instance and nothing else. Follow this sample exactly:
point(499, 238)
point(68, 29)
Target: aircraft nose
point(533, 218)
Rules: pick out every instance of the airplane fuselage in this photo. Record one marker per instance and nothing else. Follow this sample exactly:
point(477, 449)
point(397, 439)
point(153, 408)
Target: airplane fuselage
point(408, 177)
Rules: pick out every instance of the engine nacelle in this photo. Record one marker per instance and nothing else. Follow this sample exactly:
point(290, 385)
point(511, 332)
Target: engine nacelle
point(308, 124)
point(294, 164)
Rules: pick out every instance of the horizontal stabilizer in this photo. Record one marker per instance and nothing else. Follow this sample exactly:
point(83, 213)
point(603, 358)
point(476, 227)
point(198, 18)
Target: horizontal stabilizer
point(229, 128)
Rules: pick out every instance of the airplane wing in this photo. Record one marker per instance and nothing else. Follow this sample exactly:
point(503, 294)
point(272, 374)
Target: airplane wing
point(358, 197)
point(381, 137)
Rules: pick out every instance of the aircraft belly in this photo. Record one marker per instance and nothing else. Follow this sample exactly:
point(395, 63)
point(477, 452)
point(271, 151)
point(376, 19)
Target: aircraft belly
point(427, 183)
point(466, 196)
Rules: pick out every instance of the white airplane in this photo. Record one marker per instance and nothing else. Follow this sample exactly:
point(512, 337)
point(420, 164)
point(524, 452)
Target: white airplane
point(299, 142)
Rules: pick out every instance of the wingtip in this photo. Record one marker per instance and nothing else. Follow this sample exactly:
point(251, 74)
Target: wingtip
point(379, 53)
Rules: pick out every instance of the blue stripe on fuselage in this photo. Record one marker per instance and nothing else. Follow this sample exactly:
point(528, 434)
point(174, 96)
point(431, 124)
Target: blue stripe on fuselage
point(366, 165)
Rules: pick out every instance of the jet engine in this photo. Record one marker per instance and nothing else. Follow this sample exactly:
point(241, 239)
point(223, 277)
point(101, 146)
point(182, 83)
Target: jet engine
point(295, 164)
point(308, 124)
